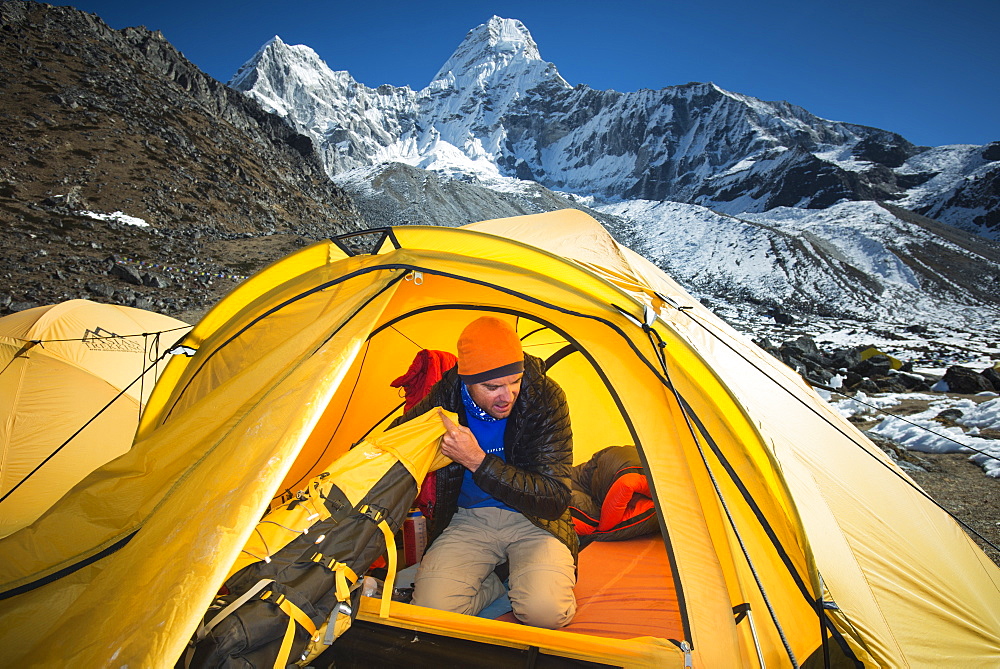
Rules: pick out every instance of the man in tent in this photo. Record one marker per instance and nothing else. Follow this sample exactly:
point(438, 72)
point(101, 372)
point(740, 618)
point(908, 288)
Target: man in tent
point(506, 495)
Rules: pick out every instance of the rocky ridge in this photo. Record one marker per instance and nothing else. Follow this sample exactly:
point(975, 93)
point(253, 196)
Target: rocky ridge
point(400, 194)
point(103, 121)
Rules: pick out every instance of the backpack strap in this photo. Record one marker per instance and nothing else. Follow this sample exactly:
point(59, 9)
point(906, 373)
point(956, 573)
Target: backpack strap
point(379, 516)
point(295, 615)
point(235, 604)
point(344, 576)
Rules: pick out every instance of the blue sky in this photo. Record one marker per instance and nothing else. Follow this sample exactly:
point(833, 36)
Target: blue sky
point(928, 70)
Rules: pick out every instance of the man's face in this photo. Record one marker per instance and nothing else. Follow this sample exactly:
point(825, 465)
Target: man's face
point(496, 396)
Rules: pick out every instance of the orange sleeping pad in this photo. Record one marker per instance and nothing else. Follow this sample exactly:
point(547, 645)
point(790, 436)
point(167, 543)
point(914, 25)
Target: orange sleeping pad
point(637, 598)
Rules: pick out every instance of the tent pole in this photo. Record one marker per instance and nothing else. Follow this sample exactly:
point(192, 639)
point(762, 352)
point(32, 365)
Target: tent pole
point(650, 332)
point(756, 640)
point(822, 622)
point(743, 611)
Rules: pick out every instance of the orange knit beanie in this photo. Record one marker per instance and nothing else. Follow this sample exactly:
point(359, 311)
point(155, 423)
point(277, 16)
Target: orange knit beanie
point(488, 349)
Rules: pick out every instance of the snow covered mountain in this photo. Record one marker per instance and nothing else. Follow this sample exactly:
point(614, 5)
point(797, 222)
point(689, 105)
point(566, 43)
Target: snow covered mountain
point(737, 197)
point(496, 108)
point(351, 124)
point(860, 260)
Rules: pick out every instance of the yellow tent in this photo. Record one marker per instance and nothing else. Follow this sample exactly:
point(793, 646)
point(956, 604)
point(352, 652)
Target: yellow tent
point(871, 351)
point(768, 500)
point(73, 379)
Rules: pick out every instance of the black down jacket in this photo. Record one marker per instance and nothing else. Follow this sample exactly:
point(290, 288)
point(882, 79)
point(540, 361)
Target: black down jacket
point(538, 447)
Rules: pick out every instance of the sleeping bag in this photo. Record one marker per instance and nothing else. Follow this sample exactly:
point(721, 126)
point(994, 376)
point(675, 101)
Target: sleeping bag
point(610, 496)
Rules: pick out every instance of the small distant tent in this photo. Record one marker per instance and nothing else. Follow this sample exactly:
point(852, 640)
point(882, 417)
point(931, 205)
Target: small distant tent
point(73, 379)
point(871, 352)
point(790, 537)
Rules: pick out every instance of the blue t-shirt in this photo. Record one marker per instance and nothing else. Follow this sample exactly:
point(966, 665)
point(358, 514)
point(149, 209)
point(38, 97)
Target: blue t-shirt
point(489, 433)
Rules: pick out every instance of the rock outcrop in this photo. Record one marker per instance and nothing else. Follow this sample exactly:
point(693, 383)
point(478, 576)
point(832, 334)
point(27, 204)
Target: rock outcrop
point(867, 369)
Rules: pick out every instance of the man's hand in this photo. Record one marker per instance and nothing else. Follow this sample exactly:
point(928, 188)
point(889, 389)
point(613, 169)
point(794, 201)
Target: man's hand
point(459, 444)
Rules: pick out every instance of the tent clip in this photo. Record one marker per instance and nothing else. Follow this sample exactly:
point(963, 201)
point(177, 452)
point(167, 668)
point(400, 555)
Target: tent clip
point(28, 346)
point(672, 302)
point(648, 315)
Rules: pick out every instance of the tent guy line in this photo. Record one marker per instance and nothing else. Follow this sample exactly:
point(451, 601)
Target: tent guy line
point(701, 435)
point(110, 336)
point(899, 475)
point(690, 420)
point(59, 365)
point(114, 399)
point(908, 422)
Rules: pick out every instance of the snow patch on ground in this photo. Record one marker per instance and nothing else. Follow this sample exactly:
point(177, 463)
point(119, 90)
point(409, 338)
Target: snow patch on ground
point(116, 217)
point(924, 433)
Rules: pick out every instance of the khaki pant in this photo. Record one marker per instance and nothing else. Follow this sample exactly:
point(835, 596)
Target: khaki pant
point(456, 573)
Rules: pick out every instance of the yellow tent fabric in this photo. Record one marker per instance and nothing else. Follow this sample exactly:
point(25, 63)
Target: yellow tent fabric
point(60, 366)
point(766, 496)
point(414, 444)
point(871, 352)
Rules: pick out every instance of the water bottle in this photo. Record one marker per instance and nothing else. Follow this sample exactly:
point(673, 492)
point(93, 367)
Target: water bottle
point(414, 537)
